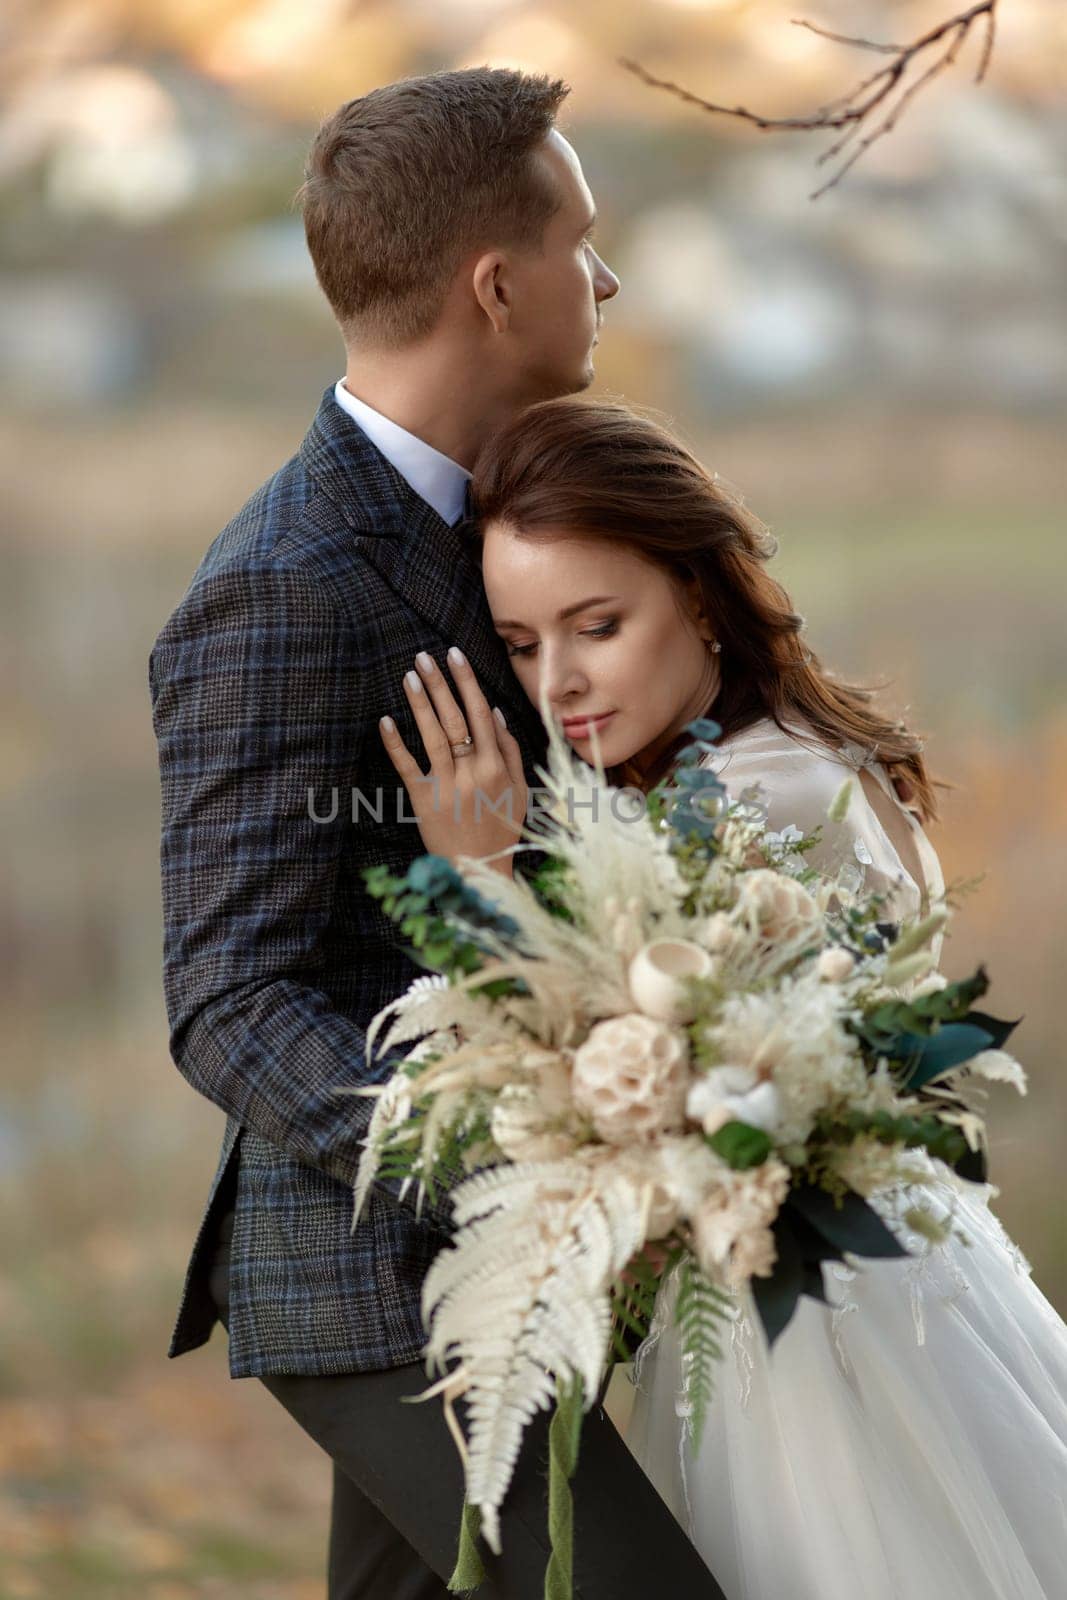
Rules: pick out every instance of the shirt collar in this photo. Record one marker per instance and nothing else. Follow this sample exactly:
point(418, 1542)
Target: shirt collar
point(435, 478)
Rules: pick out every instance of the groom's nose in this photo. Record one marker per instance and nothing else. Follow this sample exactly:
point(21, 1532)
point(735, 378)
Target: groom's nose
point(605, 282)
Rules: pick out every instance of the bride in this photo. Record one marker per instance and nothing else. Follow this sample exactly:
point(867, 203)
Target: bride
point(908, 1438)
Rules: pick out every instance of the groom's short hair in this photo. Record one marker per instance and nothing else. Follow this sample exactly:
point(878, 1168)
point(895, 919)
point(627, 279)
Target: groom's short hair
point(403, 182)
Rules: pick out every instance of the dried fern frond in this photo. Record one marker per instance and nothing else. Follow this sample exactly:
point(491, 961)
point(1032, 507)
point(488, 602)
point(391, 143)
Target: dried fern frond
point(418, 993)
point(522, 1300)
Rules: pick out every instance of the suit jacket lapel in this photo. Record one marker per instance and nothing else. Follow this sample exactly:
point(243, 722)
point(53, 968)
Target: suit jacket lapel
point(431, 565)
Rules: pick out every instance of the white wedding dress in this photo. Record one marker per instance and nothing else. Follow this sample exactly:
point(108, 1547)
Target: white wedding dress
point(908, 1441)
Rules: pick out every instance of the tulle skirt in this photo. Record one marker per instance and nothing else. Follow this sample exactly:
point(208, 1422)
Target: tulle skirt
point(908, 1442)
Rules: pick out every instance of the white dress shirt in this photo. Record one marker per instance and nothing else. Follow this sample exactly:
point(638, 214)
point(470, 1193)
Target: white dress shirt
point(435, 478)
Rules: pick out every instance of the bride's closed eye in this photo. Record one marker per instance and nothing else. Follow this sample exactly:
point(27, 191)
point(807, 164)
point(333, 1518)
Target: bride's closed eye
point(603, 630)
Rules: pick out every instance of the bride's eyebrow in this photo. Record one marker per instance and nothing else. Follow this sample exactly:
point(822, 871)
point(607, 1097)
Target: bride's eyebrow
point(568, 611)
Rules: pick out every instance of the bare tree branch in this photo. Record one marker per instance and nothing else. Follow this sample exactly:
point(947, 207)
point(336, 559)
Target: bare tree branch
point(890, 89)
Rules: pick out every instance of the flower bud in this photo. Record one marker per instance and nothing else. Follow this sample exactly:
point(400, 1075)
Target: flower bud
point(834, 965)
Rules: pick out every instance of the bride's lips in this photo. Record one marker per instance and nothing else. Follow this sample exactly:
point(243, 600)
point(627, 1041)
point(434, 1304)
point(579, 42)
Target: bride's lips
point(578, 727)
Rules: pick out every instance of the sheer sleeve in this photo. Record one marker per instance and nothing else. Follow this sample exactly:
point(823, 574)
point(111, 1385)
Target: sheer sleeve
point(798, 781)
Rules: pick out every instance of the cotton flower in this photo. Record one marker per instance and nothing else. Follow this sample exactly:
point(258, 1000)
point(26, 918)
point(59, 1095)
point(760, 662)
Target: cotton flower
point(727, 1094)
point(777, 906)
point(834, 965)
point(630, 1078)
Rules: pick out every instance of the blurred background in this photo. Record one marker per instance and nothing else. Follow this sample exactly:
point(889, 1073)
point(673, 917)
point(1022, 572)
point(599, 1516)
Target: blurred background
point(882, 372)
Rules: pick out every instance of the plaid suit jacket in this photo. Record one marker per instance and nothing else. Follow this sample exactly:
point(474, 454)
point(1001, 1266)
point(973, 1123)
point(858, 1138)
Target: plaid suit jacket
point(267, 684)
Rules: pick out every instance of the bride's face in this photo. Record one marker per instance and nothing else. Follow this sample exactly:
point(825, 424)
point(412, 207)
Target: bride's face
point(608, 636)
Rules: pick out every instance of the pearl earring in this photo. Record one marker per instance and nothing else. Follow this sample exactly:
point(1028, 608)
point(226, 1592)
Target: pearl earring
point(713, 645)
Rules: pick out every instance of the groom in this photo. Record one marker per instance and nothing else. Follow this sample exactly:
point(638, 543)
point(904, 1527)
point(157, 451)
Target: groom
point(449, 224)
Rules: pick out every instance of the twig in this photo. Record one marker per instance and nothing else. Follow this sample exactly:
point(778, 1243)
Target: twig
point(853, 110)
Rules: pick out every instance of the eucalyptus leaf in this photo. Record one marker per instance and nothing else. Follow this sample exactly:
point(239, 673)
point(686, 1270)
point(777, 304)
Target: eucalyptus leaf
point(956, 1043)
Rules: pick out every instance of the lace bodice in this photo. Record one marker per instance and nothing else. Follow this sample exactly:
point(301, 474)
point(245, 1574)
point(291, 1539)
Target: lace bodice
point(798, 779)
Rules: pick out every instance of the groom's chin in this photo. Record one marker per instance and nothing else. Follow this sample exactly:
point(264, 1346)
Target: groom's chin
point(588, 376)
point(584, 376)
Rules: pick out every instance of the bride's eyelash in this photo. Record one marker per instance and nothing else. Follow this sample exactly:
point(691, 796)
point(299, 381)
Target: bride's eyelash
point(603, 630)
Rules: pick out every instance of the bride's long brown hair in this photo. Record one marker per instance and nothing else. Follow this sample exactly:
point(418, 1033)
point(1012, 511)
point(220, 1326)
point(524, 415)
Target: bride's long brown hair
point(595, 469)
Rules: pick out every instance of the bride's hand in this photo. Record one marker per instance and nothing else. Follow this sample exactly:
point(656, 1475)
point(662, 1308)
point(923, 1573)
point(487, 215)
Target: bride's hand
point(472, 803)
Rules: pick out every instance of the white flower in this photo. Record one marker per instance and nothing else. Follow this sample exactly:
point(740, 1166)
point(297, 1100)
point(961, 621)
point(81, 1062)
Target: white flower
point(775, 906)
point(726, 1094)
point(731, 1227)
point(529, 1121)
point(630, 1078)
point(933, 983)
point(835, 964)
point(793, 1036)
point(753, 1256)
point(682, 1166)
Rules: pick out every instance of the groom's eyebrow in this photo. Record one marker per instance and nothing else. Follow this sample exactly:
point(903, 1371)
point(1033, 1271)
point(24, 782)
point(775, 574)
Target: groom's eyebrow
point(568, 611)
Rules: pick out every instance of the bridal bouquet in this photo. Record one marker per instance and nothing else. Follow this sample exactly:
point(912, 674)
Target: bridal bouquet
point(677, 1048)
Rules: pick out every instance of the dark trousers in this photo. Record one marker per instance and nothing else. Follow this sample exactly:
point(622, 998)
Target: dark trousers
point(398, 1494)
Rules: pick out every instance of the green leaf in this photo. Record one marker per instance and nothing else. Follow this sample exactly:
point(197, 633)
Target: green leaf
point(564, 1435)
point(740, 1145)
point(850, 1225)
point(999, 1031)
point(814, 1286)
point(469, 1572)
point(700, 1310)
point(881, 1028)
point(776, 1297)
point(438, 954)
point(972, 1165)
point(956, 1043)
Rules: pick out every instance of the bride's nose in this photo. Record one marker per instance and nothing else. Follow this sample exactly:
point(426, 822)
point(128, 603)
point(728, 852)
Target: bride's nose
point(562, 680)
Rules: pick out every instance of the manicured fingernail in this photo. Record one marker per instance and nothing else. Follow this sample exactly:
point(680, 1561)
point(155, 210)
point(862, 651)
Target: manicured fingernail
point(425, 661)
point(387, 725)
point(457, 658)
point(414, 682)
point(499, 715)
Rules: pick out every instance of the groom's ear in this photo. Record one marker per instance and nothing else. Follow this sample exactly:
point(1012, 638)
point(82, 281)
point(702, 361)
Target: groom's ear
point(493, 290)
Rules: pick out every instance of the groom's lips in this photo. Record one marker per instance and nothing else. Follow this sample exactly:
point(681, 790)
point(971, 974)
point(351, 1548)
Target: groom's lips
point(578, 727)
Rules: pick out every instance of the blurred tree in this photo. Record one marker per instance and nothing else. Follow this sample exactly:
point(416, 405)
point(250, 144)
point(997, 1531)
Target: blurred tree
point(874, 106)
